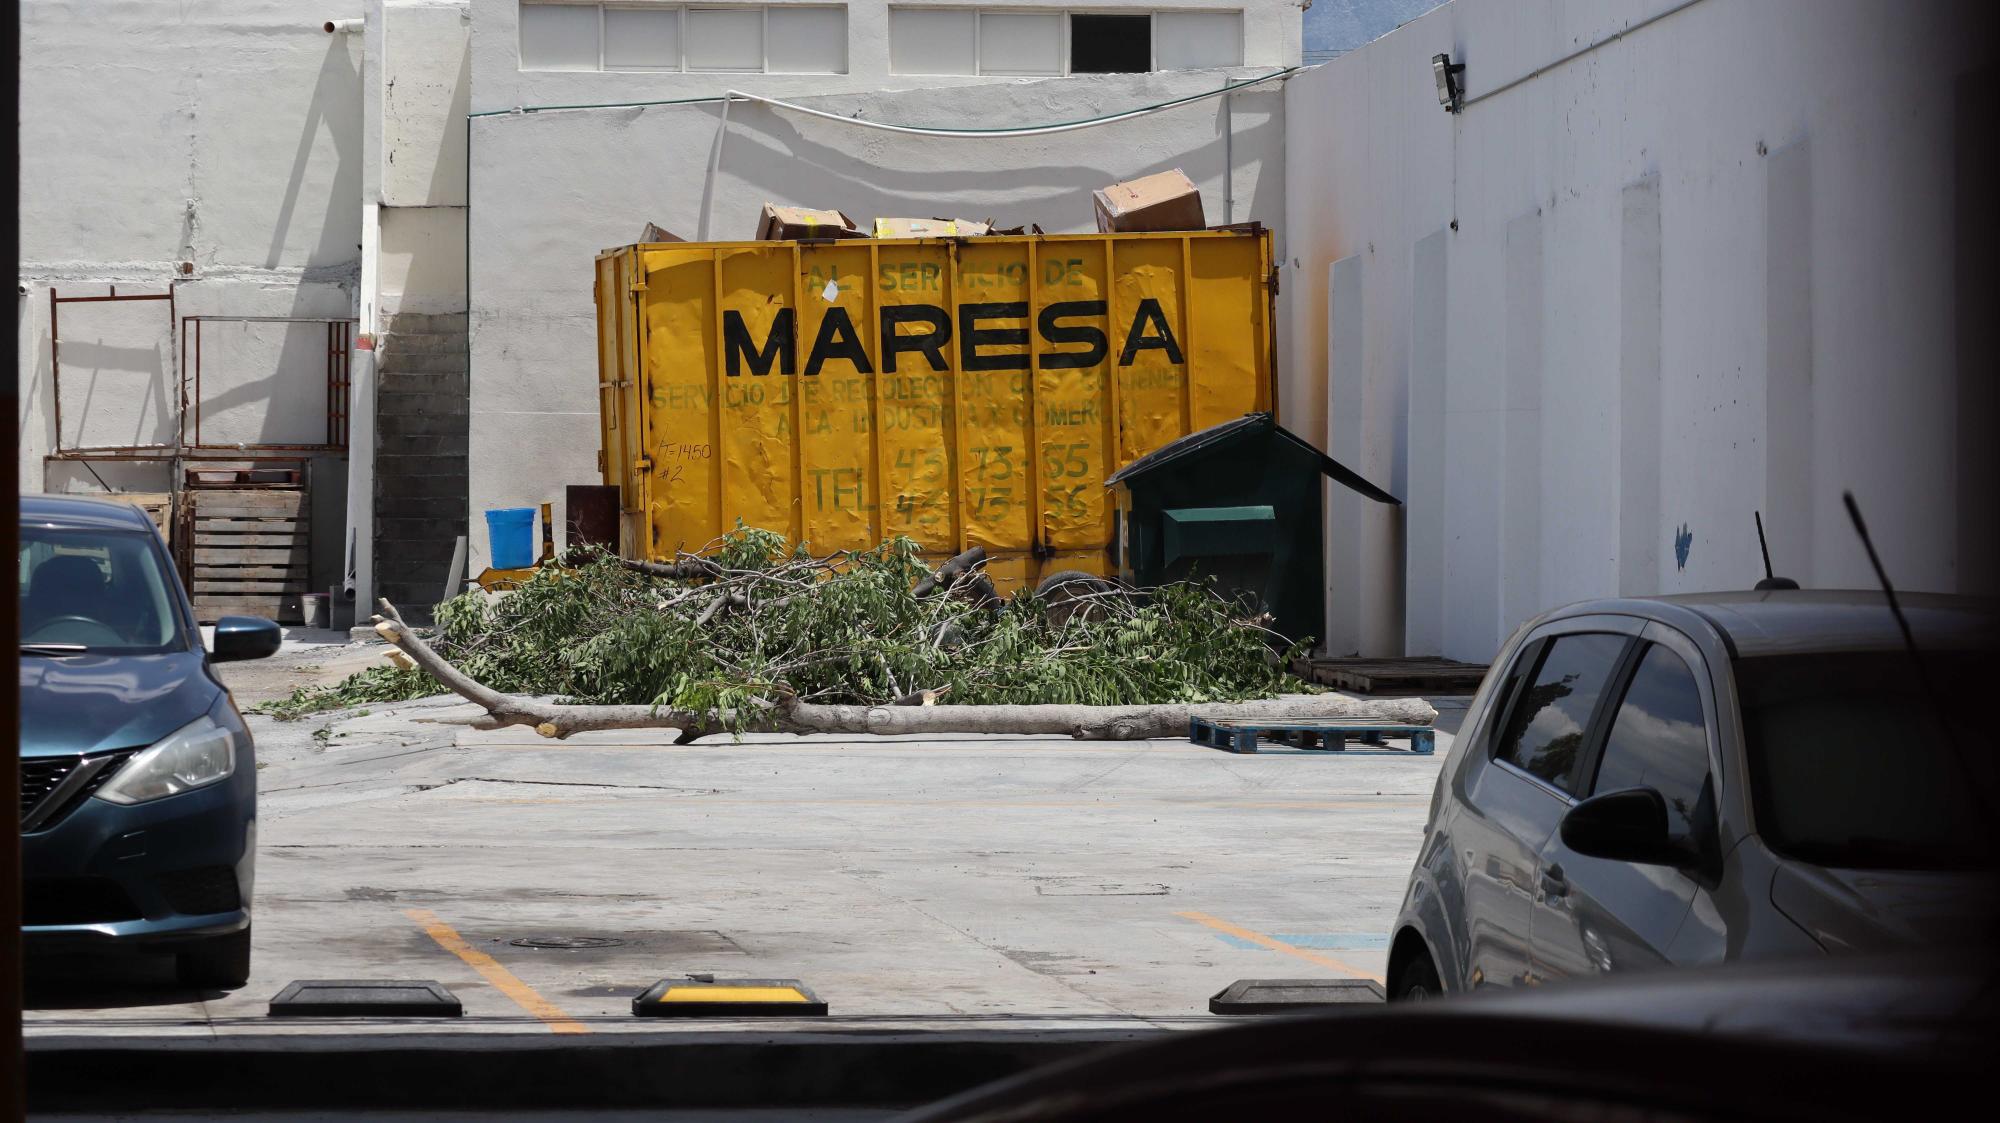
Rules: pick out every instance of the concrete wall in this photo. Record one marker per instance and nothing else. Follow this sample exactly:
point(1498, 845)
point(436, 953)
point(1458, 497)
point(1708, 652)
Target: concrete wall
point(1591, 323)
point(426, 91)
point(417, 386)
point(213, 147)
point(550, 190)
point(1271, 38)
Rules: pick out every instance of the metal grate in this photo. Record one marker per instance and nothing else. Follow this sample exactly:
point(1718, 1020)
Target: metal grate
point(199, 892)
point(39, 777)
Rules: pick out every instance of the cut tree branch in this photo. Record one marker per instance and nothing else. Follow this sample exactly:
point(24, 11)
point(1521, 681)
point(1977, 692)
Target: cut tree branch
point(1086, 723)
point(687, 569)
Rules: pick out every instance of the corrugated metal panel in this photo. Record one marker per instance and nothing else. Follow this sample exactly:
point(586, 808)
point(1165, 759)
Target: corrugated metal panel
point(962, 392)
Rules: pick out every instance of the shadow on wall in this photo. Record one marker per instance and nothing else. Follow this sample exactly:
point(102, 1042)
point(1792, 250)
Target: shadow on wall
point(448, 173)
point(115, 388)
point(261, 383)
point(339, 85)
point(767, 150)
point(115, 396)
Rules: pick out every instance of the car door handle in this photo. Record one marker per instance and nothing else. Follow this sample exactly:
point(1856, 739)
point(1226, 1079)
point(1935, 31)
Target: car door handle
point(1554, 884)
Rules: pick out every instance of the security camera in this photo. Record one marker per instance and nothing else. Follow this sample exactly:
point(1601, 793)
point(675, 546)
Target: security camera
point(1450, 89)
point(21, 287)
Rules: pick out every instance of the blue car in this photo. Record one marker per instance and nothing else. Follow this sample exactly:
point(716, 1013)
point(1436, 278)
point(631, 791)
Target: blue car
point(138, 779)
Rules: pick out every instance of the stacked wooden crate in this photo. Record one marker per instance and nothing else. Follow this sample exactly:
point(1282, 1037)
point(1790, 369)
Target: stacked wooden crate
point(158, 505)
point(250, 550)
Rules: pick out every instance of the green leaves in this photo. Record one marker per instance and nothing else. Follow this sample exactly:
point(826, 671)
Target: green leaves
point(845, 629)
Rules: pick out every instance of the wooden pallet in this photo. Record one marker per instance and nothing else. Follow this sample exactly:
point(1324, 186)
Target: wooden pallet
point(251, 552)
point(158, 505)
point(1422, 674)
point(1325, 734)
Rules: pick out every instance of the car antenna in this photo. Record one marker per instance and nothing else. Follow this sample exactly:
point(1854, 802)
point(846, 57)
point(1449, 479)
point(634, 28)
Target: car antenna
point(1916, 655)
point(1769, 582)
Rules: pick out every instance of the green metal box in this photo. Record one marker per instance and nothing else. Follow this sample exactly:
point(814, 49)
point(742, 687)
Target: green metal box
point(1237, 504)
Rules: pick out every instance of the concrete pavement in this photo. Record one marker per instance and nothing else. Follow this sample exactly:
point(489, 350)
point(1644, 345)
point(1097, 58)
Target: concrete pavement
point(947, 885)
point(941, 880)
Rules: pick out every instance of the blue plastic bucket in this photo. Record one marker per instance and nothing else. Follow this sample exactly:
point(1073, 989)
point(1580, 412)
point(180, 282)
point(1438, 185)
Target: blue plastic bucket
point(510, 536)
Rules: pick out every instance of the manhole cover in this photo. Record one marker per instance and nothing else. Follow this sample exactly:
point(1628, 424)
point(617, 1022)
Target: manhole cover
point(566, 942)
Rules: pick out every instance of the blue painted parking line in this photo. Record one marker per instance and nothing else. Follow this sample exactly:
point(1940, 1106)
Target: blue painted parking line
point(1320, 941)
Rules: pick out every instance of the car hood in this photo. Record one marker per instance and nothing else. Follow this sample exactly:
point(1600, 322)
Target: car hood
point(87, 703)
point(1881, 910)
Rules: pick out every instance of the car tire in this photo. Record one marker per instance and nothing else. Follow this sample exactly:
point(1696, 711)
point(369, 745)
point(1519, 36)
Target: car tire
point(222, 963)
point(1417, 981)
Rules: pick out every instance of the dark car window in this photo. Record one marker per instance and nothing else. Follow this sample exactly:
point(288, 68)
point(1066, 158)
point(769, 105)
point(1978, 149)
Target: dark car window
point(1851, 765)
point(1658, 740)
point(105, 590)
point(1545, 730)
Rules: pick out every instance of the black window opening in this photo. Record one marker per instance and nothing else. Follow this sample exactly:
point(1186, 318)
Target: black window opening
point(1110, 44)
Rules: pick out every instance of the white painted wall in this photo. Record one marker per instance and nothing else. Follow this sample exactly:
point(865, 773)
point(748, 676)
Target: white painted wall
point(425, 93)
point(151, 136)
point(1700, 271)
point(227, 137)
point(550, 190)
point(1271, 38)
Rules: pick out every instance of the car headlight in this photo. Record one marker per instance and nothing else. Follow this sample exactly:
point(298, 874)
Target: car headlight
point(198, 754)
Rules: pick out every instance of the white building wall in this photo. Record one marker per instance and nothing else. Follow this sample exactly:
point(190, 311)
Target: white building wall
point(217, 149)
point(213, 148)
point(1271, 38)
point(1703, 270)
point(425, 93)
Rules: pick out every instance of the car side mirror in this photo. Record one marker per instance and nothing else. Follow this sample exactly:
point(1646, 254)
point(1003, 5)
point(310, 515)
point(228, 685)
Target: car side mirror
point(1624, 826)
point(245, 637)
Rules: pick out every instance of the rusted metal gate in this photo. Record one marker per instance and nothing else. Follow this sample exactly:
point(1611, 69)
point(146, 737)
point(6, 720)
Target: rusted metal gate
point(237, 515)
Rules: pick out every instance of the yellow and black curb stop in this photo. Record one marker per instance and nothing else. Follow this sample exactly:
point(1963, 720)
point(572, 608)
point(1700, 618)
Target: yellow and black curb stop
point(728, 998)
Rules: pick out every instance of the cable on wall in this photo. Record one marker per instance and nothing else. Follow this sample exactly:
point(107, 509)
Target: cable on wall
point(980, 132)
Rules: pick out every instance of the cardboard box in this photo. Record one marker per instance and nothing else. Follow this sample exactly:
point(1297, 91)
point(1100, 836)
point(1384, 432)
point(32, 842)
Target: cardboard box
point(1167, 201)
point(654, 232)
point(931, 228)
point(784, 224)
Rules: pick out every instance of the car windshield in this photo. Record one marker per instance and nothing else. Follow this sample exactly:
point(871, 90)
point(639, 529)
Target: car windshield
point(1851, 766)
point(102, 591)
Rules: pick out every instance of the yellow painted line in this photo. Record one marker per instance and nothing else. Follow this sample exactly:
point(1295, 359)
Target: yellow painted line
point(489, 968)
point(732, 994)
point(1264, 941)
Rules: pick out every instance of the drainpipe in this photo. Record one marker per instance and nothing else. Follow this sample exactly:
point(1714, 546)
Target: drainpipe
point(1229, 156)
point(359, 583)
point(342, 26)
point(714, 169)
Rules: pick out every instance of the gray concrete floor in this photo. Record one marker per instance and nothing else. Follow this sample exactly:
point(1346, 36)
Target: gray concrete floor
point(911, 883)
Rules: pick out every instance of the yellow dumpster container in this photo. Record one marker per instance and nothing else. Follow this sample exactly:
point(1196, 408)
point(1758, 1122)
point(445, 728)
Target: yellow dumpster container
point(959, 391)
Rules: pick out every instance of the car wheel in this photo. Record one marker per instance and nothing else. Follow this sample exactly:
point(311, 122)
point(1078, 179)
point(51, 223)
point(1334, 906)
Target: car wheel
point(1417, 982)
point(221, 963)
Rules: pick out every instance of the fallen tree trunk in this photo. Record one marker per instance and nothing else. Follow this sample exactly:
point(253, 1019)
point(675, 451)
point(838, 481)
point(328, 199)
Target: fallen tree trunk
point(1087, 723)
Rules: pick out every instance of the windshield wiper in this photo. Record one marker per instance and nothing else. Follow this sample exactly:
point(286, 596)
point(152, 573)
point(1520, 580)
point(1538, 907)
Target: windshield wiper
point(54, 648)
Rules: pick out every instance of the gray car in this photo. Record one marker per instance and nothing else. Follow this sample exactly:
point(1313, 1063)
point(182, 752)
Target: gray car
point(1697, 779)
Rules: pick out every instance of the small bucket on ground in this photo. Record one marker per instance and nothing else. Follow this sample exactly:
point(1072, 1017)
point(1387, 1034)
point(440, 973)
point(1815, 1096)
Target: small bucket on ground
point(312, 606)
point(510, 535)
